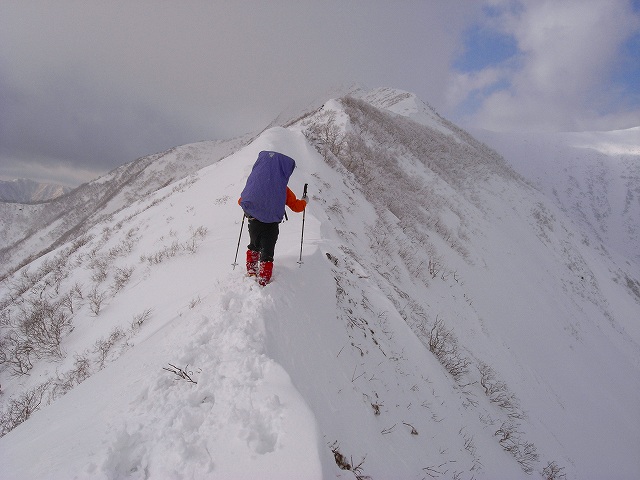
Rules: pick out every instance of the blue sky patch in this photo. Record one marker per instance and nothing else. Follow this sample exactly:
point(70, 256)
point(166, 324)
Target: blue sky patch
point(627, 74)
point(484, 48)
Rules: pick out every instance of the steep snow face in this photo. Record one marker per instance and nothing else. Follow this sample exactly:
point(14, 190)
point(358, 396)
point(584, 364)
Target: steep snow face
point(514, 252)
point(444, 322)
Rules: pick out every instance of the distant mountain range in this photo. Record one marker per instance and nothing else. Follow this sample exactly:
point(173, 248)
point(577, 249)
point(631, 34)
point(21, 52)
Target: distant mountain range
point(23, 190)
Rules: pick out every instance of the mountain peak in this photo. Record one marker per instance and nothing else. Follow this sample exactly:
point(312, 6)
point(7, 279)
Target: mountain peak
point(406, 104)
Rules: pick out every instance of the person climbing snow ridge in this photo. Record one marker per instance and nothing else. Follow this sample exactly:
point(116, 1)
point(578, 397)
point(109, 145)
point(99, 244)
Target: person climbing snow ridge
point(263, 201)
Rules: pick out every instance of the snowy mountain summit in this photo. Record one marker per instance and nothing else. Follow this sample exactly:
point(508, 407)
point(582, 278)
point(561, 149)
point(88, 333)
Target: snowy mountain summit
point(447, 319)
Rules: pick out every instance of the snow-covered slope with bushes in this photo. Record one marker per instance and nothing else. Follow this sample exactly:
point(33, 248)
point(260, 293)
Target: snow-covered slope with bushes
point(31, 230)
point(447, 321)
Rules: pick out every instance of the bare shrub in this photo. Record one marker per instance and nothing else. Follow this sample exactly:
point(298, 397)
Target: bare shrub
point(21, 408)
point(139, 319)
point(96, 299)
point(55, 271)
point(99, 264)
point(553, 472)
point(121, 278)
point(511, 441)
point(434, 267)
point(106, 233)
point(498, 392)
point(169, 251)
point(67, 302)
point(444, 345)
point(80, 242)
point(72, 299)
point(197, 235)
point(161, 255)
point(21, 284)
point(40, 326)
point(77, 291)
point(326, 134)
point(356, 157)
point(4, 350)
point(80, 371)
point(17, 353)
point(103, 347)
point(125, 246)
point(527, 456)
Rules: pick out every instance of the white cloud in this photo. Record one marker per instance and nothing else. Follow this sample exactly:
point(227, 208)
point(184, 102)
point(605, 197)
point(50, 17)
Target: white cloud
point(562, 79)
point(464, 83)
point(570, 46)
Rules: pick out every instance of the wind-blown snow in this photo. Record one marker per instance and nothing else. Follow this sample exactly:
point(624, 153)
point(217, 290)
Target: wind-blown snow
point(330, 361)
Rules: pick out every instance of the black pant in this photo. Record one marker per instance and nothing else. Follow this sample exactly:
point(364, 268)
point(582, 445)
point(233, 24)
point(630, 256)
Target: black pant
point(263, 238)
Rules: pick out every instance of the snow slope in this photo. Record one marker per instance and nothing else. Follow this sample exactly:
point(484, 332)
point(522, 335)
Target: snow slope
point(336, 363)
point(204, 315)
point(594, 177)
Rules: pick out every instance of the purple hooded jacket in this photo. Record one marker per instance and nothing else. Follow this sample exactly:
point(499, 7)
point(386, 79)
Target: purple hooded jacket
point(265, 193)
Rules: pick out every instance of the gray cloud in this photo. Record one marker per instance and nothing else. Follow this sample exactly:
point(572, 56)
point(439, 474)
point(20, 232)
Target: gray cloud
point(96, 84)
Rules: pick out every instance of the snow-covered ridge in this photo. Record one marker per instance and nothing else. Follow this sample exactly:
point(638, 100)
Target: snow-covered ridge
point(30, 230)
point(617, 142)
point(447, 321)
point(22, 190)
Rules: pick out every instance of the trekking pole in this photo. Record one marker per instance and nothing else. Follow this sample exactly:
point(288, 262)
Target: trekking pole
point(304, 194)
point(235, 262)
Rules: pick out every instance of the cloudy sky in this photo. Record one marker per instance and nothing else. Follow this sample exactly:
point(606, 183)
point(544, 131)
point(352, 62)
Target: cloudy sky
point(87, 85)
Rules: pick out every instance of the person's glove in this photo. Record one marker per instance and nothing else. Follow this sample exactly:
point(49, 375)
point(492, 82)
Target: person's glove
point(306, 199)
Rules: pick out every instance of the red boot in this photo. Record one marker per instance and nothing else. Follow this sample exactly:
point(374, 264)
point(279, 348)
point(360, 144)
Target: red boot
point(252, 263)
point(264, 276)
